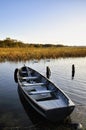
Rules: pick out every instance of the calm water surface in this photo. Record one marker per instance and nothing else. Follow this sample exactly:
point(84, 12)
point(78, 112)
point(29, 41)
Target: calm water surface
point(14, 110)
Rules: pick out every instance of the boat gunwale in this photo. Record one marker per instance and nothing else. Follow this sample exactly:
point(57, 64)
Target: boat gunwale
point(40, 108)
point(60, 90)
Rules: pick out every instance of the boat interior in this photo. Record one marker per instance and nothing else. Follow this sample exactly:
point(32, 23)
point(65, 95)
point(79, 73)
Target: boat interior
point(41, 90)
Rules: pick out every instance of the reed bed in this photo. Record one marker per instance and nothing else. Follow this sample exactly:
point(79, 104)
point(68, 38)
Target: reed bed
point(27, 53)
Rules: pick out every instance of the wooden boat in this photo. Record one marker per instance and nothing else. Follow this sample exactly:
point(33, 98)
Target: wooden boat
point(43, 95)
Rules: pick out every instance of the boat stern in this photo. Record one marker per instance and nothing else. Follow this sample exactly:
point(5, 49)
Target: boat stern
point(59, 114)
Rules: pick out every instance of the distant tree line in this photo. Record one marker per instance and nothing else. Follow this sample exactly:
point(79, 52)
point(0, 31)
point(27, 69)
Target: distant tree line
point(8, 42)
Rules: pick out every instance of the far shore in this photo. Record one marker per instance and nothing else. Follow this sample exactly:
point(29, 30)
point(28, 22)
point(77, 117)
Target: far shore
point(28, 53)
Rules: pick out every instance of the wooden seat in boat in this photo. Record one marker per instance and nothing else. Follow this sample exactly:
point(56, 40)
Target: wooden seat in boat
point(32, 84)
point(40, 92)
point(29, 78)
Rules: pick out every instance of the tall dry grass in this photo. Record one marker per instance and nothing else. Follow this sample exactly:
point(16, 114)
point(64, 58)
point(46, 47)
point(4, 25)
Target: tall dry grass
point(18, 54)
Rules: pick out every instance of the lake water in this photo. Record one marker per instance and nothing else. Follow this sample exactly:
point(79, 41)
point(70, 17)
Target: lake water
point(15, 114)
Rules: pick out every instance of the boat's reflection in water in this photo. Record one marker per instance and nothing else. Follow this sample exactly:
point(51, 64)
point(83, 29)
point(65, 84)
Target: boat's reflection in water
point(37, 120)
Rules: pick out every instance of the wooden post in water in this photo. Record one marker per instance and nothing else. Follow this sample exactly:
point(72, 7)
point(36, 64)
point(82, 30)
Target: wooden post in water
point(73, 71)
point(48, 72)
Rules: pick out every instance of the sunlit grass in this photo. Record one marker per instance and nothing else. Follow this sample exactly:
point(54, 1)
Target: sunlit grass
point(18, 54)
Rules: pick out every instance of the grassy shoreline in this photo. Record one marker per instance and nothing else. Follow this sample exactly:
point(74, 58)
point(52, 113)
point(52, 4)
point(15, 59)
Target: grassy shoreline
point(27, 53)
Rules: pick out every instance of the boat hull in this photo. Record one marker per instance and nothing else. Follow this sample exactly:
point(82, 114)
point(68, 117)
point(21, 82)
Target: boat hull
point(43, 95)
point(54, 115)
point(59, 114)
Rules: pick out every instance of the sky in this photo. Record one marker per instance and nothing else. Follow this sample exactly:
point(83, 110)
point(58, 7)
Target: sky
point(44, 21)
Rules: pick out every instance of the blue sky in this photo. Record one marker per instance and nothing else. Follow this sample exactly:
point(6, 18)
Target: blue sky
point(44, 21)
